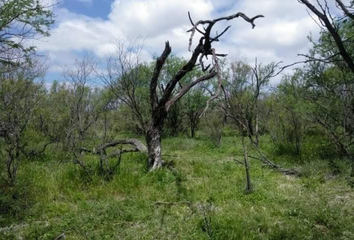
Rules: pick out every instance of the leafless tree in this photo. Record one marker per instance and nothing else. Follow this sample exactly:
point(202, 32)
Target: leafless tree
point(243, 93)
point(247, 167)
point(241, 102)
point(84, 107)
point(88, 119)
point(262, 75)
point(126, 75)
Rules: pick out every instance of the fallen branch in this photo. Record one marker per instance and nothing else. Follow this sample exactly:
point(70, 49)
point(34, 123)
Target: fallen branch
point(104, 156)
point(138, 146)
point(272, 165)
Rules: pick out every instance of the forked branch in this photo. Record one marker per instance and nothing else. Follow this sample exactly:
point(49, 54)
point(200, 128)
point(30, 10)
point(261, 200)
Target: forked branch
point(211, 23)
point(345, 9)
point(206, 44)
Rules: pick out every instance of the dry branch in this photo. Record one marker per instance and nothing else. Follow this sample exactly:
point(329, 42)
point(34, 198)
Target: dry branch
point(212, 22)
point(186, 88)
point(155, 77)
point(137, 145)
point(218, 74)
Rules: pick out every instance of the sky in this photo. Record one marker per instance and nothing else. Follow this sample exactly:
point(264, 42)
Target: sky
point(95, 26)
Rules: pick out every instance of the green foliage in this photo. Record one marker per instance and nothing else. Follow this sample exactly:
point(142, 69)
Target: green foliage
point(306, 123)
point(288, 123)
point(194, 104)
point(20, 100)
point(213, 128)
point(21, 20)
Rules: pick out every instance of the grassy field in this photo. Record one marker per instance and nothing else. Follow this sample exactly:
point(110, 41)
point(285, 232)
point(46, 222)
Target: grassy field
point(202, 197)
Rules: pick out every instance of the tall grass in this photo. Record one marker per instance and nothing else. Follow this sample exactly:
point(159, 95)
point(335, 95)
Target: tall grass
point(201, 197)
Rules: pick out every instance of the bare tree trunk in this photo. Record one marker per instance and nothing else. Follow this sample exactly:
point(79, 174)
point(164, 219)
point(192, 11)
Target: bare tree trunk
point(247, 168)
point(257, 126)
point(11, 171)
point(153, 139)
point(12, 165)
point(192, 131)
point(194, 125)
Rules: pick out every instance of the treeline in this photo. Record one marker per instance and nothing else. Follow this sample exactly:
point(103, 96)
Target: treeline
point(77, 115)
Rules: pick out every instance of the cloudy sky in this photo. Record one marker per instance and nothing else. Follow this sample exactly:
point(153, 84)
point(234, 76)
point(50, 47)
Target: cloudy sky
point(93, 26)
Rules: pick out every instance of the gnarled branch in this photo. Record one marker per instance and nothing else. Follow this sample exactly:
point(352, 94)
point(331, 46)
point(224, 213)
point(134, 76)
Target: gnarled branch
point(211, 23)
point(137, 145)
point(186, 88)
point(154, 80)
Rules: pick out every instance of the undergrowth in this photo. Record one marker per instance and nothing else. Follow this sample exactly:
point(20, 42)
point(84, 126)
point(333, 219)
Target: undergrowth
point(200, 196)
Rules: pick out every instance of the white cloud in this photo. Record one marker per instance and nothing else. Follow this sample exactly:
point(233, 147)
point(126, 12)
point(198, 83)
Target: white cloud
point(153, 17)
point(280, 36)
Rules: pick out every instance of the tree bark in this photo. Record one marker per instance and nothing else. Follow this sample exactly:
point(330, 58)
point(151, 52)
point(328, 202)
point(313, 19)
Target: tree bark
point(160, 106)
point(192, 131)
point(247, 168)
point(153, 140)
point(257, 126)
point(352, 172)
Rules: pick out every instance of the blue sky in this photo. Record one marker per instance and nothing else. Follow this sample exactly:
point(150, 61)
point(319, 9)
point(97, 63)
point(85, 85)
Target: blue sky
point(95, 26)
point(91, 8)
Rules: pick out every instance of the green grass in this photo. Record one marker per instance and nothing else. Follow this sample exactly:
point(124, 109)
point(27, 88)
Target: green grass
point(202, 198)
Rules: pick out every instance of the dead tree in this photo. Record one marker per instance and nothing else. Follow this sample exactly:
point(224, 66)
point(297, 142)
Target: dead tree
point(241, 99)
point(124, 76)
point(118, 150)
point(160, 105)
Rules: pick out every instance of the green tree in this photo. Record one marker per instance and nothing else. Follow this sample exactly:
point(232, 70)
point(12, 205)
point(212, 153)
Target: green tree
point(193, 107)
point(19, 99)
point(330, 92)
point(244, 90)
point(20, 21)
point(336, 34)
point(329, 76)
point(288, 118)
